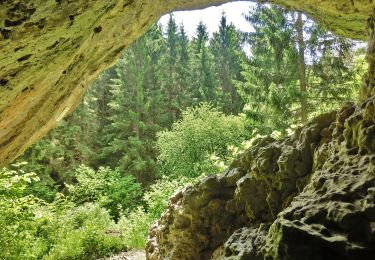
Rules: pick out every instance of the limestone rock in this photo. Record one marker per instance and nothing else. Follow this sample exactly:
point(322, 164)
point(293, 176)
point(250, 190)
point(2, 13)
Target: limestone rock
point(245, 243)
point(257, 186)
point(333, 217)
point(195, 223)
point(316, 187)
point(51, 50)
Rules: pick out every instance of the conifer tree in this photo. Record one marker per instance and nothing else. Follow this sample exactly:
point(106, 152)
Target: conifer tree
point(284, 75)
point(184, 68)
point(133, 125)
point(226, 48)
point(170, 80)
point(203, 75)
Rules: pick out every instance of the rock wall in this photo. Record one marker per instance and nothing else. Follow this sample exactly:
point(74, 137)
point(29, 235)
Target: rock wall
point(308, 196)
point(50, 50)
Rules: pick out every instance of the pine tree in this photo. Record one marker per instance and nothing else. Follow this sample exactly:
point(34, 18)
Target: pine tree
point(183, 68)
point(72, 143)
point(170, 79)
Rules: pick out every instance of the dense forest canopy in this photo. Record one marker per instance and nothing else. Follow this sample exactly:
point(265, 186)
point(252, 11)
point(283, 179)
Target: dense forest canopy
point(172, 110)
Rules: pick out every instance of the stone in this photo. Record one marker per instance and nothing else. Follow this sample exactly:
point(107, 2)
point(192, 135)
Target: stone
point(243, 244)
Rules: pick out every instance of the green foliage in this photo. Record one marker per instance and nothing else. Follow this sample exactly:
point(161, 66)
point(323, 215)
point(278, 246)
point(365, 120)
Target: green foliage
point(90, 185)
point(158, 194)
point(83, 232)
point(138, 109)
point(33, 229)
point(227, 52)
point(18, 216)
point(135, 224)
point(42, 190)
point(134, 227)
point(56, 156)
point(201, 132)
point(272, 85)
point(204, 87)
point(107, 187)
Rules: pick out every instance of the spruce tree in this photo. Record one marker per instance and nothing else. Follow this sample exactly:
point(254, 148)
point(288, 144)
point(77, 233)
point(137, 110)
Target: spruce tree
point(284, 74)
point(226, 48)
point(204, 83)
point(134, 119)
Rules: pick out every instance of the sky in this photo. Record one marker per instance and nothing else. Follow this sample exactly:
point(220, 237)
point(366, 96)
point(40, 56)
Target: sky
point(211, 17)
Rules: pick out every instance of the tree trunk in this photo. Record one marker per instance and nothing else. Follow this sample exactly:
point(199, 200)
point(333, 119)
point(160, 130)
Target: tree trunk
point(302, 68)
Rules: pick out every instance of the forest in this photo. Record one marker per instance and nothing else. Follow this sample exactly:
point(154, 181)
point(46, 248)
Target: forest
point(172, 111)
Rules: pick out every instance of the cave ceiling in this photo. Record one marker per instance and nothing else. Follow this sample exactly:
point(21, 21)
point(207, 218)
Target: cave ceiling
point(50, 51)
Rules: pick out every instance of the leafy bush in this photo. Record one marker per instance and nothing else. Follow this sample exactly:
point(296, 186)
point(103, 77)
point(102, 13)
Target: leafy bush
point(90, 185)
point(30, 228)
point(135, 224)
point(158, 194)
point(18, 216)
point(107, 187)
point(134, 227)
point(84, 232)
point(42, 190)
point(202, 131)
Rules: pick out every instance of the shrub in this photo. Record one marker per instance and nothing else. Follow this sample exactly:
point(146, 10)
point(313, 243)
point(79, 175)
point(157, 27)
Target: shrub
point(107, 187)
point(201, 132)
point(19, 216)
point(135, 224)
point(134, 227)
point(30, 228)
point(158, 195)
point(84, 232)
point(42, 191)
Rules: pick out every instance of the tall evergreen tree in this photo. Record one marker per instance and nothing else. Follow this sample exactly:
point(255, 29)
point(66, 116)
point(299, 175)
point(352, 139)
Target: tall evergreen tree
point(283, 76)
point(72, 143)
point(227, 52)
point(133, 125)
point(204, 84)
point(302, 68)
point(183, 67)
point(170, 80)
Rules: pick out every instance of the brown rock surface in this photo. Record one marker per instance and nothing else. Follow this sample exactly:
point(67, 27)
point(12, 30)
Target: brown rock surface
point(316, 187)
point(52, 49)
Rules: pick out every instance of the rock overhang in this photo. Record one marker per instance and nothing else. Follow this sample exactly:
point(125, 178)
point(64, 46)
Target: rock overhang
point(52, 49)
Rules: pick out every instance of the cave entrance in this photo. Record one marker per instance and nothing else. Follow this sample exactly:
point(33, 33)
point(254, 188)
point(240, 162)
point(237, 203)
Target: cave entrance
point(270, 67)
point(182, 101)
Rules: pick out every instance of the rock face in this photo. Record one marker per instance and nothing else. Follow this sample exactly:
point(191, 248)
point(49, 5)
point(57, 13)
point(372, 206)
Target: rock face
point(52, 49)
point(308, 196)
